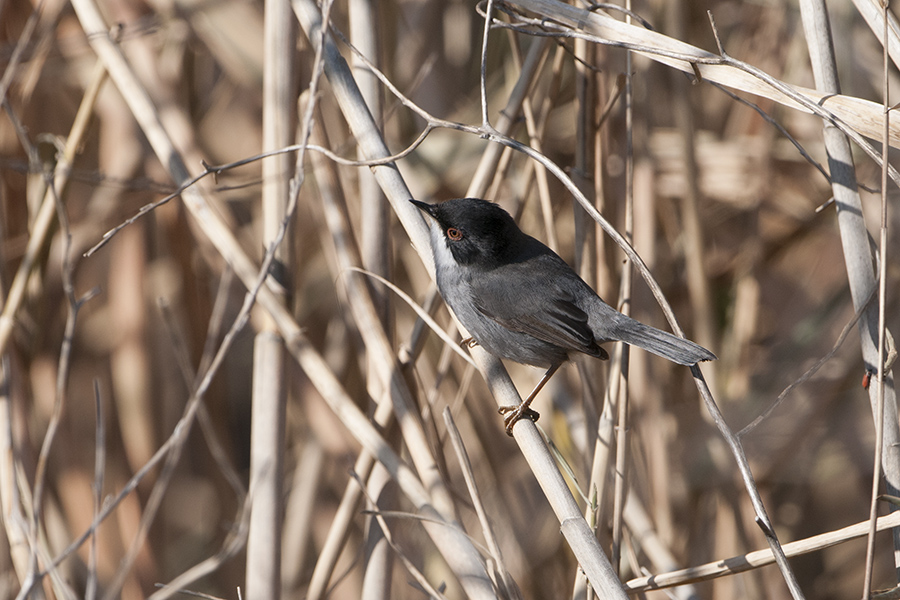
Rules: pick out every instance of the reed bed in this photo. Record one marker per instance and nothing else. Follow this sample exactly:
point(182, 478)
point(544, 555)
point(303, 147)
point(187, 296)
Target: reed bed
point(225, 368)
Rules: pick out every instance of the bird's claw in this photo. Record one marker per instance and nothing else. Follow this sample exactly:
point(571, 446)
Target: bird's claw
point(515, 413)
point(469, 342)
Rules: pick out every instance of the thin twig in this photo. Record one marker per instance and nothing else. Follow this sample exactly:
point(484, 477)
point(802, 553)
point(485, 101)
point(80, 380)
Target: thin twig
point(512, 590)
point(420, 312)
point(74, 304)
point(620, 473)
point(99, 470)
point(19, 49)
point(882, 301)
point(411, 568)
point(40, 232)
point(697, 60)
point(189, 377)
point(758, 558)
point(234, 542)
point(482, 80)
point(809, 372)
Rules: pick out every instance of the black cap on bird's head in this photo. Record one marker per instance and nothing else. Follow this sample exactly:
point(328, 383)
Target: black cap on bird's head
point(477, 232)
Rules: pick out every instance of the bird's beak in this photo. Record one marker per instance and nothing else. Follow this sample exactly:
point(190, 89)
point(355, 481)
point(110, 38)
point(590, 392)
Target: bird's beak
point(424, 207)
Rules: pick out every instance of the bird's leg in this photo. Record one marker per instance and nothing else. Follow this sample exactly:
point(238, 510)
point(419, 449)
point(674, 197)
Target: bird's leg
point(469, 342)
point(514, 413)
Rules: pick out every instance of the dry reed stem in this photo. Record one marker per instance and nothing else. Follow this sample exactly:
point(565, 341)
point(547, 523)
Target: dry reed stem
point(14, 519)
point(424, 317)
point(411, 568)
point(56, 183)
point(672, 483)
point(376, 256)
point(874, 14)
point(858, 115)
point(535, 133)
point(509, 587)
point(374, 209)
point(267, 467)
point(378, 580)
point(335, 212)
point(45, 218)
point(467, 565)
point(758, 558)
point(487, 164)
point(558, 11)
point(620, 370)
point(382, 357)
point(90, 592)
point(388, 370)
point(307, 483)
point(582, 540)
point(858, 260)
point(601, 574)
point(642, 532)
point(884, 370)
point(180, 346)
point(574, 527)
point(47, 214)
point(269, 398)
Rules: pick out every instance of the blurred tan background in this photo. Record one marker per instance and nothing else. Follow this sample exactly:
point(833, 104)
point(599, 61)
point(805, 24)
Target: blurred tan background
point(771, 299)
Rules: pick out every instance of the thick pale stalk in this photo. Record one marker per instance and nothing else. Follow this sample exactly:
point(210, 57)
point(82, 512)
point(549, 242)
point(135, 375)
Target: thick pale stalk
point(854, 239)
point(576, 530)
point(269, 395)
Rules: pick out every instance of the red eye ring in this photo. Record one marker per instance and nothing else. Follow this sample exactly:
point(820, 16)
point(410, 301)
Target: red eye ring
point(454, 234)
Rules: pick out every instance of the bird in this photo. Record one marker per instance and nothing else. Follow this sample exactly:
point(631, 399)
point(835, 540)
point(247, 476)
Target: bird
point(519, 300)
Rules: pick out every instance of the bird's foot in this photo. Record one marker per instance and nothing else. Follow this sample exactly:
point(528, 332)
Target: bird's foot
point(469, 342)
point(514, 413)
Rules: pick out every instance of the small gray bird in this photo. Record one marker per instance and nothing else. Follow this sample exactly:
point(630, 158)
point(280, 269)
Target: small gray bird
point(519, 300)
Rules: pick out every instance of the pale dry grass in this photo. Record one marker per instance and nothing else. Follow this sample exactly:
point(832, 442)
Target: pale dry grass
point(144, 408)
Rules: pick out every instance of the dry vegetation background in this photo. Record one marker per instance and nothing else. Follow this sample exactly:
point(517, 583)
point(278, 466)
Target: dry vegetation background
point(724, 215)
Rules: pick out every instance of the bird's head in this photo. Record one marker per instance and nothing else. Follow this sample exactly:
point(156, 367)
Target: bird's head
point(478, 233)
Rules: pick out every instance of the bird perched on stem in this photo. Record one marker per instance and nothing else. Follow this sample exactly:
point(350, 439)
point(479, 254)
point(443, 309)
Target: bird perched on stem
point(520, 301)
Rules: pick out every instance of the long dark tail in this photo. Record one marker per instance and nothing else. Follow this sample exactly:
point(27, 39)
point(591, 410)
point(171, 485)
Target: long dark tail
point(661, 343)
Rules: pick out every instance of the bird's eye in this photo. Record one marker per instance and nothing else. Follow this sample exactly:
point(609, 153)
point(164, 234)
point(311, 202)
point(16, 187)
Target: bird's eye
point(454, 234)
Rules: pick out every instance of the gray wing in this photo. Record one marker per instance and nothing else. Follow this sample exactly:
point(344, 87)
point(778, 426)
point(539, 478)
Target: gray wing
point(522, 300)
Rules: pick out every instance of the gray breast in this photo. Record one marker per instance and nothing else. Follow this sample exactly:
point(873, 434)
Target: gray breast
point(454, 286)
